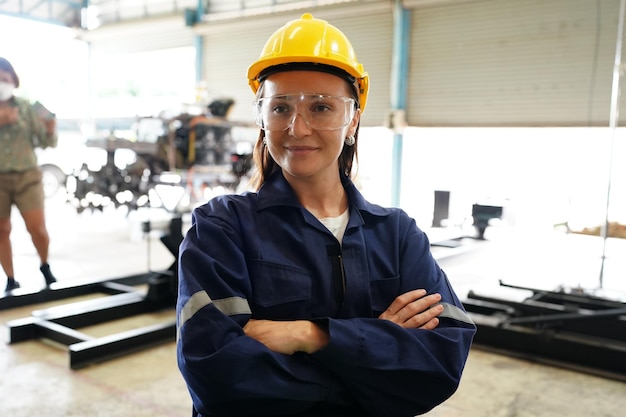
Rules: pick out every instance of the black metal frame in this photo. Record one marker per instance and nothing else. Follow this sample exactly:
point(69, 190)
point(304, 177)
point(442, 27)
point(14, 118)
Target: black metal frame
point(121, 298)
point(61, 323)
point(62, 290)
point(571, 329)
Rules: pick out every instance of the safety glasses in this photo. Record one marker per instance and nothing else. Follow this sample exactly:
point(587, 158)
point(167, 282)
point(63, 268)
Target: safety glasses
point(319, 112)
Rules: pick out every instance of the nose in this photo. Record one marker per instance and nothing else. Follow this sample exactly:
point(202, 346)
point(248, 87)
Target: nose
point(299, 128)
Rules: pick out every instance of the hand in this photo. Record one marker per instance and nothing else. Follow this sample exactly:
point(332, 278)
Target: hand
point(8, 115)
point(414, 309)
point(287, 337)
point(51, 125)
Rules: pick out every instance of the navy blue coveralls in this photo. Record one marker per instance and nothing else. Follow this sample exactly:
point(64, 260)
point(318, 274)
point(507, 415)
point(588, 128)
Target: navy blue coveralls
point(263, 256)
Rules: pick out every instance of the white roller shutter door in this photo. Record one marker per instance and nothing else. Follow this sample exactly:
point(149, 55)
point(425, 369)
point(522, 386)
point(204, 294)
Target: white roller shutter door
point(512, 63)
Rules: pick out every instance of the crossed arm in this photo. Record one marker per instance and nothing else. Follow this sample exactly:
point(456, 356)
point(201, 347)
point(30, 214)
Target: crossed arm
point(411, 310)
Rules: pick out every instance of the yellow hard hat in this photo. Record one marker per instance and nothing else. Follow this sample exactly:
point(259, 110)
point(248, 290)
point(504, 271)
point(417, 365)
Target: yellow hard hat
point(310, 40)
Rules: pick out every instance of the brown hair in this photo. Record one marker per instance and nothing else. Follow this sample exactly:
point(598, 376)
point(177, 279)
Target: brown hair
point(6, 66)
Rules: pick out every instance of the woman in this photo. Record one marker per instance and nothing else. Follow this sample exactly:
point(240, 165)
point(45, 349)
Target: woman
point(303, 299)
point(21, 130)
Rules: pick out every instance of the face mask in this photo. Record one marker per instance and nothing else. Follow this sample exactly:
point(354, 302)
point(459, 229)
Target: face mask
point(6, 91)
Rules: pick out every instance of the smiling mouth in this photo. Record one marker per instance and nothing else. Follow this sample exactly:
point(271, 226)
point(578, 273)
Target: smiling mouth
point(301, 148)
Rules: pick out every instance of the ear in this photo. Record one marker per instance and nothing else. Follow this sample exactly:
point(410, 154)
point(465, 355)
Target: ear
point(354, 123)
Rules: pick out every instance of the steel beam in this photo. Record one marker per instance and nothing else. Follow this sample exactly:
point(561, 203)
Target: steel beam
point(585, 333)
point(61, 323)
point(92, 351)
point(75, 288)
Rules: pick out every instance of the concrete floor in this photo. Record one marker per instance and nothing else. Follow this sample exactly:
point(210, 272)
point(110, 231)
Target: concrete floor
point(36, 380)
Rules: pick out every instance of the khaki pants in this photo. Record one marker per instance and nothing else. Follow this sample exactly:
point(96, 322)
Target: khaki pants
point(24, 189)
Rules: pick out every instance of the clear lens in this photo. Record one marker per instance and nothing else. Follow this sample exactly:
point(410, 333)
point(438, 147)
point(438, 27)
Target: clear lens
point(320, 112)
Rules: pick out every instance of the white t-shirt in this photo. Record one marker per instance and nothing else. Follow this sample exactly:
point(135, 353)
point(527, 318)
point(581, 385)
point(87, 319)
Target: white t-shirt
point(336, 225)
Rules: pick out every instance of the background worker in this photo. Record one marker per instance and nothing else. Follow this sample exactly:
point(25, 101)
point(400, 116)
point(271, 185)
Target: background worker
point(23, 127)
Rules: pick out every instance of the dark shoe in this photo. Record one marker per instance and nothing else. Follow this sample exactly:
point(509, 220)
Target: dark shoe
point(47, 274)
point(11, 285)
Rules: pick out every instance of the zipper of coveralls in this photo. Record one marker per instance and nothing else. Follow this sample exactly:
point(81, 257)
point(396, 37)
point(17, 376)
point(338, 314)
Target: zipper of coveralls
point(339, 274)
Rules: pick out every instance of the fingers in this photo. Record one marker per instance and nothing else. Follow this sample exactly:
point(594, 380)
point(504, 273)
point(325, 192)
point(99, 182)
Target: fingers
point(426, 319)
point(410, 303)
point(402, 300)
point(414, 309)
point(431, 324)
point(421, 306)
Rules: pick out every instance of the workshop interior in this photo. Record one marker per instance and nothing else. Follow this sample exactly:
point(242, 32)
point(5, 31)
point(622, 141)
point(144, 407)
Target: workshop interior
point(496, 125)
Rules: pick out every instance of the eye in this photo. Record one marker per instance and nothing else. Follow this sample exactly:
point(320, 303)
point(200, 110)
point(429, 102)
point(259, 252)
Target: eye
point(321, 107)
point(280, 108)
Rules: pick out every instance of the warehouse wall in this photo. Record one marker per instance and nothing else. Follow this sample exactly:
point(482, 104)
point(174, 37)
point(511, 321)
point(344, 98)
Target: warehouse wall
point(471, 62)
point(512, 63)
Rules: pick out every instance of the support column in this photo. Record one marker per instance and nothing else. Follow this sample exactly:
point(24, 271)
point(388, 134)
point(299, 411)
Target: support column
point(399, 78)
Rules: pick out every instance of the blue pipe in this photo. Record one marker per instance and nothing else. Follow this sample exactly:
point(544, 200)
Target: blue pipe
point(399, 78)
point(199, 45)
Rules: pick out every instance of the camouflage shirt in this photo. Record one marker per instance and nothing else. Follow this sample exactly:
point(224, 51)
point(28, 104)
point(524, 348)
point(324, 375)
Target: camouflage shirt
point(18, 140)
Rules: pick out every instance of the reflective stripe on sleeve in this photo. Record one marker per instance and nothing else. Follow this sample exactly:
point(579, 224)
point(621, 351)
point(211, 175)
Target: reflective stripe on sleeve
point(229, 306)
point(453, 312)
point(233, 305)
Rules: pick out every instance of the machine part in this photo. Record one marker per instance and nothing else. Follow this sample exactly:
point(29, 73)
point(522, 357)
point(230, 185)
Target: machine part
point(482, 214)
point(94, 189)
point(574, 330)
point(200, 149)
point(53, 179)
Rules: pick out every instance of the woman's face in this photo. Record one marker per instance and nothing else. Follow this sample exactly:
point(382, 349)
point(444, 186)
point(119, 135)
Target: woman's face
point(6, 77)
point(303, 151)
point(7, 85)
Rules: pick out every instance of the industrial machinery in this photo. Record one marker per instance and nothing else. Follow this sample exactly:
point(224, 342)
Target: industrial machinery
point(190, 150)
point(482, 215)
